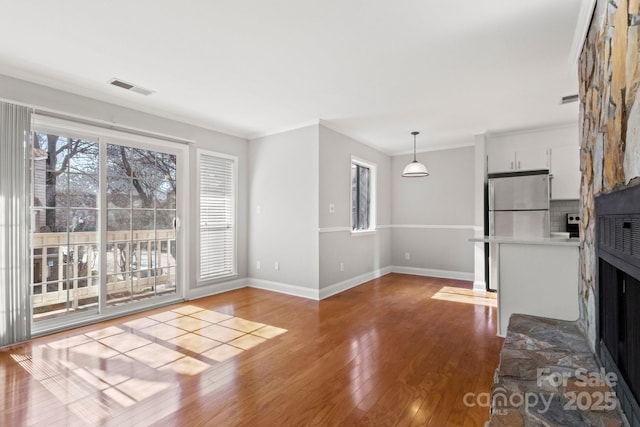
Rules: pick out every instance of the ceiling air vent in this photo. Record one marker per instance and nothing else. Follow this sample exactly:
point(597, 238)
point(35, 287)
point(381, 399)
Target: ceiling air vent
point(569, 99)
point(128, 86)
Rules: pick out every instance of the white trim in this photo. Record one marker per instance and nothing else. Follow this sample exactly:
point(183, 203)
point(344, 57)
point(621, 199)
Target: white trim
point(414, 226)
point(334, 230)
point(444, 274)
point(479, 286)
point(347, 229)
point(48, 116)
point(217, 288)
point(339, 287)
point(438, 226)
point(361, 233)
point(582, 28)
point(283, 288)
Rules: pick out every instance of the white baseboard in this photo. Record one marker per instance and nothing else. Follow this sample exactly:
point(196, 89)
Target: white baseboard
point(217, 288)
point(336, 288)
point(479, 286)
point(283, 288)
point(327, 291)
point(444, 274)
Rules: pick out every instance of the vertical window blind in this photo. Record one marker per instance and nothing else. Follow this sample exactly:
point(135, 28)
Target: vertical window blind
point(217, 215)
point(15, 276)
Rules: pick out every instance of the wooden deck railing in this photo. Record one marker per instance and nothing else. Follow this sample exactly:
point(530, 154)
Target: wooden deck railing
point(66, 267)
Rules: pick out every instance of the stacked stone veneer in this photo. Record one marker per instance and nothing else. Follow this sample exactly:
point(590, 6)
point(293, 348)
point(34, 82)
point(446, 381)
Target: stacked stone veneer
point(609, 75)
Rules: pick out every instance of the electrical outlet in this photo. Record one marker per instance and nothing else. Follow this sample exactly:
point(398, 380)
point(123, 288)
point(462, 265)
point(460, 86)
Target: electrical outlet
point(407, 256)
point(276, 265)
point(257, 265)
point(342, 266)
point(258, 209)
point(332, 208)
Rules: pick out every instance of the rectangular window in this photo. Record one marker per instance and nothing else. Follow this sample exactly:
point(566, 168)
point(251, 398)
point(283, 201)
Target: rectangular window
point(362, 195)
point(217, 183)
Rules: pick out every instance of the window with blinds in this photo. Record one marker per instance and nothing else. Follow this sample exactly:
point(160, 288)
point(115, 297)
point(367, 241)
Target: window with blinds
point(217, 176)
point(363, 196)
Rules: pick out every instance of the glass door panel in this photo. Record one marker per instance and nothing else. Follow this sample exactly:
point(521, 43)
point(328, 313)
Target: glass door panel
point(65, 258)
point(141, 211)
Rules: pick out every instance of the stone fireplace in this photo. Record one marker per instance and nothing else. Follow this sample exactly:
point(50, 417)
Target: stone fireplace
point(618, 291)
point(609, 77)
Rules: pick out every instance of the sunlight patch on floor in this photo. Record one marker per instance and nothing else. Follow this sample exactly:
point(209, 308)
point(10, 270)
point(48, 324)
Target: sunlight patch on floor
point(466, 296)
point(117, 366)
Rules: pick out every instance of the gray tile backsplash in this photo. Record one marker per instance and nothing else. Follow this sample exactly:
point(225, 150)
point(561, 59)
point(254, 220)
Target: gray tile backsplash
point(558, 213)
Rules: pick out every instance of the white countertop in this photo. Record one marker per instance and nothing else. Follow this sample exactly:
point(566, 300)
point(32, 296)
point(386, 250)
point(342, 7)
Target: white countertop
point(548, 241)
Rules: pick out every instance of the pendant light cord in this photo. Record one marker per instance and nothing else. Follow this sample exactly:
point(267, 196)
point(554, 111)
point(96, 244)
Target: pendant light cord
point(414, 133)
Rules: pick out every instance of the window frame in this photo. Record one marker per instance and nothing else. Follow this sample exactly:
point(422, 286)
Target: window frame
point(372, 196)
point(203, 281)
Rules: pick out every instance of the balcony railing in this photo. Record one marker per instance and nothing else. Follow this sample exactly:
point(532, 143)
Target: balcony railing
point(67, 269)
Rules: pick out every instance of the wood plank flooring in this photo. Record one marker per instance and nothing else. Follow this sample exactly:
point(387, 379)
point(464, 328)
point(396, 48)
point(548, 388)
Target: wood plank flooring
point(399, 350)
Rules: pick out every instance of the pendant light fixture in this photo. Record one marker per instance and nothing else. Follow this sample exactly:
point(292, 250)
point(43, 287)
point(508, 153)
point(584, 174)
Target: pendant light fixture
point(415, 168)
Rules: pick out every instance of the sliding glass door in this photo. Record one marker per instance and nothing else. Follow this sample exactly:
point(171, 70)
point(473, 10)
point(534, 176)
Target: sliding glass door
point(104, 224)
point(141, 214)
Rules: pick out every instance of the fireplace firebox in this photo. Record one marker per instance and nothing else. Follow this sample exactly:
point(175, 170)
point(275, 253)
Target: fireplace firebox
point(618, 252)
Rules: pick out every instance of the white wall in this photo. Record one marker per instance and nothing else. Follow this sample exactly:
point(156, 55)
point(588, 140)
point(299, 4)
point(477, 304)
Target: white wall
point(363, 255)
point(18, 91)
point(433, 217)
point(283, 205)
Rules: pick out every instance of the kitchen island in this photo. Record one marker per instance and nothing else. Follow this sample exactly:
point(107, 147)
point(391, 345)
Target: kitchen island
point(538, 277)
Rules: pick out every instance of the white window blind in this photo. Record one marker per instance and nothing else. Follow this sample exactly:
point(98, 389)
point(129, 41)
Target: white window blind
point(217, 215)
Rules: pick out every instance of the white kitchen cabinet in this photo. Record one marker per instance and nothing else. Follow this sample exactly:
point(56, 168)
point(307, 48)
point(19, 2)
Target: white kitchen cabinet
point(539, 280)
point(501, 161)
point(522, 160)
point(565, 171)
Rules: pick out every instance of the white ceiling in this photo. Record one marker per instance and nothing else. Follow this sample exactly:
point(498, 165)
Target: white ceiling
point(373, 69)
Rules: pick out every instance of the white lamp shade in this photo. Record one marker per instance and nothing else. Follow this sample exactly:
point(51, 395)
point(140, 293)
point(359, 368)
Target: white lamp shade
point(415, 169)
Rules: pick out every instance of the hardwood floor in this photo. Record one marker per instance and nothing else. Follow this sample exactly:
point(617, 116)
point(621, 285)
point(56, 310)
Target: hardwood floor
point(399, 350)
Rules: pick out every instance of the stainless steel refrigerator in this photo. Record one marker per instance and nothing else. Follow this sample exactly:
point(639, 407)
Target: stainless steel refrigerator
point(518, 208)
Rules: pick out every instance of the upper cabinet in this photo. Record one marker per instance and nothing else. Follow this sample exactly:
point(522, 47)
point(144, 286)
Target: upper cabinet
point(565, 172)
point(554, 148)
point(523, 159)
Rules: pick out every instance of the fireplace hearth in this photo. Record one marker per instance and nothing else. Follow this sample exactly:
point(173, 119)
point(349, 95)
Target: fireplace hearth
point(618, 252)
